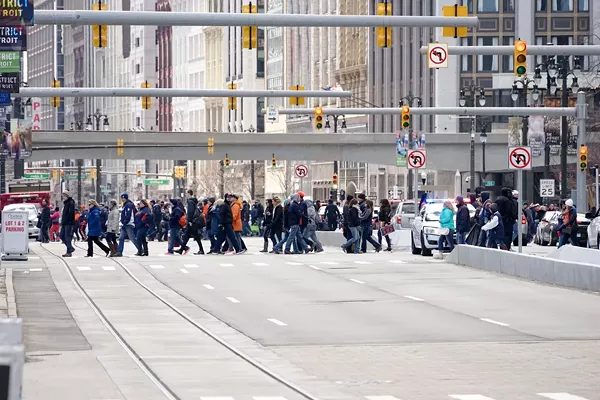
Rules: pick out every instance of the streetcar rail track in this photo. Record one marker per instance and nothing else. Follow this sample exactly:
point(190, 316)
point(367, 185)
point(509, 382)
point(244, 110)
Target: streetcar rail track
point(169, 393)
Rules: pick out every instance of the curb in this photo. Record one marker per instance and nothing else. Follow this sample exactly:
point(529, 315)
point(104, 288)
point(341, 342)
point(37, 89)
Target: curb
point(10, 294)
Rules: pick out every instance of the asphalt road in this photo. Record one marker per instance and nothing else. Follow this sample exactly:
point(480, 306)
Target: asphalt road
point(381, 326)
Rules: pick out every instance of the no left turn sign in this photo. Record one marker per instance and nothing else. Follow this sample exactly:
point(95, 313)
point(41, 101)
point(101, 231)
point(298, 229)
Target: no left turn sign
point(301, 171)
point(417, 159)
point(519, 158)
point(437, 55)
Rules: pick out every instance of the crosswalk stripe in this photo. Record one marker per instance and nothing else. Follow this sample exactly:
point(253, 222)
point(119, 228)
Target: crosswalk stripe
point(261, 264)
point(232, 299)
point(191, 265)
point(185, 271)
point(269, 398)
point(560, 396)
point(397, 262)
point(215, 398)
point(226, 265)
point(35, 269)
point(108, 268)
point(329, 263)
point(157, 266)
point(293, 263)
point(470, 397)
point(84, 268)
point(209, 287)
point(362, 262)
point(381, 398)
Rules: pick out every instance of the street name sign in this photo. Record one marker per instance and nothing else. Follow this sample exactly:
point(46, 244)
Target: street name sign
point(547, 187)
point(36, 175)
point(157, 181)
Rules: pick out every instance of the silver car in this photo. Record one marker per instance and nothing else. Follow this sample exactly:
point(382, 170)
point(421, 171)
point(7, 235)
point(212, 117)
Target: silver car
point(425, 230)
point(593, 231)
point(404, 215)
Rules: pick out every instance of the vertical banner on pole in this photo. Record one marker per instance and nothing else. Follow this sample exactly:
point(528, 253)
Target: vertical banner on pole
point(401, 150)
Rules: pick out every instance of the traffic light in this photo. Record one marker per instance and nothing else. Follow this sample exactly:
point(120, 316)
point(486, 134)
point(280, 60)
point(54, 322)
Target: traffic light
point(405, 117)
point(232, 100)
point(227, 162)
point(146, 101)
point(384, 34)
point(139, 173)
point(99, 32)
point(583, 157)
point(93, 173)
point(318, 118)
point(120, 147)
point(274, 162)
point(520, 60)
point(55, 174)
point(55, 101)
point(211, 145)
point(62, 173)
point(335, 180)
point(297, 101)
point(249, 33)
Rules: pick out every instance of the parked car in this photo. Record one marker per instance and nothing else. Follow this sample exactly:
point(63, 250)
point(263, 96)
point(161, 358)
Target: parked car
point(593, 230)
point(404, 215)
point(546, 230)
point(582, 229)
point(425, 229)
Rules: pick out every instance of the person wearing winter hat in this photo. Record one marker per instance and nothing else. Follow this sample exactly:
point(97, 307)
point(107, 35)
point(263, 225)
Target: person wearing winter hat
point(568, 229)
point(127, 225)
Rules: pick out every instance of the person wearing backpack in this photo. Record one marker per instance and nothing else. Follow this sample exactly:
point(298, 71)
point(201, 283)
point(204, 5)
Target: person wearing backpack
point(176, 219)
point(310, 231)
point(195, 222)
point(143, 221)
point(127, 225)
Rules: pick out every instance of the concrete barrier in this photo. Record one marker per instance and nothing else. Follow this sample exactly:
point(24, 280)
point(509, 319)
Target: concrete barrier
point(576, 254)
point(400, 238)
point(558, 272)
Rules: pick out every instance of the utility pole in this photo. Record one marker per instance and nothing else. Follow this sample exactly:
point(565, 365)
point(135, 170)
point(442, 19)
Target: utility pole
point(564, 129)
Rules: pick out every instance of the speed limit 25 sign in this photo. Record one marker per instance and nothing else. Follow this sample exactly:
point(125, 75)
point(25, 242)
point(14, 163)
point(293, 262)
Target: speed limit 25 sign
point(547, 187)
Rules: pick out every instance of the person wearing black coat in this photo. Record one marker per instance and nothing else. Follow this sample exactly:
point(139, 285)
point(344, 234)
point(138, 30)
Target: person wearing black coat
point(266, 223)
point(226, 227)
point(385, 218)
point(332, 214)
point(507, 207)
point(193, 225)
point(67, 222)
point(45, 222)
point(347, 232)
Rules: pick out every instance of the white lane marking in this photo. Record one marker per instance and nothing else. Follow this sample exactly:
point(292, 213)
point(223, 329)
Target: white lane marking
point(381, 398)
point(268, 398)
point(277, 322)
point(469, 397)
point(491, 321)
point(33, 257)
point(226, 265)
point(397, 262)
point(362, 262)
point(191, 265)
point(560, 396)
point(261, 264)
point(84, 268)
point(315, 267)
point(74, 256)
point(414, 298)
point(185, 271)
point(329, 262)
point(35, 269)
point(232, 299)
point(357, 281)
point(293, 263)
point(108, 268)
point(209, 287)
point(157, 266)
point(216, 398)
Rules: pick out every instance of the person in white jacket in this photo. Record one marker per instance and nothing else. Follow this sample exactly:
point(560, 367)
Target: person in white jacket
point(112, 227)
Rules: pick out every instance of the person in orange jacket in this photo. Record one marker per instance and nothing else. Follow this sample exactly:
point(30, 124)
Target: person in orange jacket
point(236, 210)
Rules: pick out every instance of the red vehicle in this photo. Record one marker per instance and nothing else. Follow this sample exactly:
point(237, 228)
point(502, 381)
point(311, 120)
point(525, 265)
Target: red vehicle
point(26, 191)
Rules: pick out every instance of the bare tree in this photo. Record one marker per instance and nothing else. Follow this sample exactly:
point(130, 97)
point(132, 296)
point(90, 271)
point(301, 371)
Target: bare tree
point(284, 178)
point(206, 183)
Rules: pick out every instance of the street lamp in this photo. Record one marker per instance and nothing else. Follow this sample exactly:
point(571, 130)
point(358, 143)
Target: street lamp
point(411, 100)
point(483, 139)
point(335, 130)
point(97, 116)
point(467, 96)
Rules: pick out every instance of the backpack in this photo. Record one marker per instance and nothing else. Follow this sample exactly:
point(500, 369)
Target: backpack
point(199, 219)
point(312, 215)
point(183, 221)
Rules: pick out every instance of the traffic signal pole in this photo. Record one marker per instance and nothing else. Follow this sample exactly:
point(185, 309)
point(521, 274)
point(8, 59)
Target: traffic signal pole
point(581, 202)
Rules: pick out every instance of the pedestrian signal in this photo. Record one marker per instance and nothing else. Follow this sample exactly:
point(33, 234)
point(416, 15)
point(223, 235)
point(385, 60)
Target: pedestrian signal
point(55, 174)
point(405, 117)
point(139, 173)
point(318, 118)
point(227, 162)
point(335, 180)
point(146, 101)
point(93, 173)
point(520, 58)
point(274, 162)
point(583, 157)
point(55, 101)
point(100, 32)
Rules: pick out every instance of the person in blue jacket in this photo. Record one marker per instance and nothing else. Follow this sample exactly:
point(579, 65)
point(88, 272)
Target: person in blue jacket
point(95, 229)
point(177, 212)
point(143, 221)
point(127, 225)
point(214, 216)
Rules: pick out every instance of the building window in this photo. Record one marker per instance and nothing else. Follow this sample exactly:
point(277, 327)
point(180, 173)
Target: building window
point(542, 5)
point(509, 6)
point(138, 122)
point(137, 68)
point(467, 61)
point(470, 6)
point(562, 5)
point(583, 5)
point(487, 6)
point(507, 61)
point(487, 63)
point(137, 42)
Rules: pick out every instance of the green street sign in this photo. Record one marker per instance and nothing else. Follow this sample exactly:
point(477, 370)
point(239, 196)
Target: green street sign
point(74, 177)
point(37, 175)
point(157, 181)
point(489, 183)
point(10, 61)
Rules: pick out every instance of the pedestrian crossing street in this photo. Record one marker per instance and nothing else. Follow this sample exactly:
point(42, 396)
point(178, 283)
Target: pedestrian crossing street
point(541, 396)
